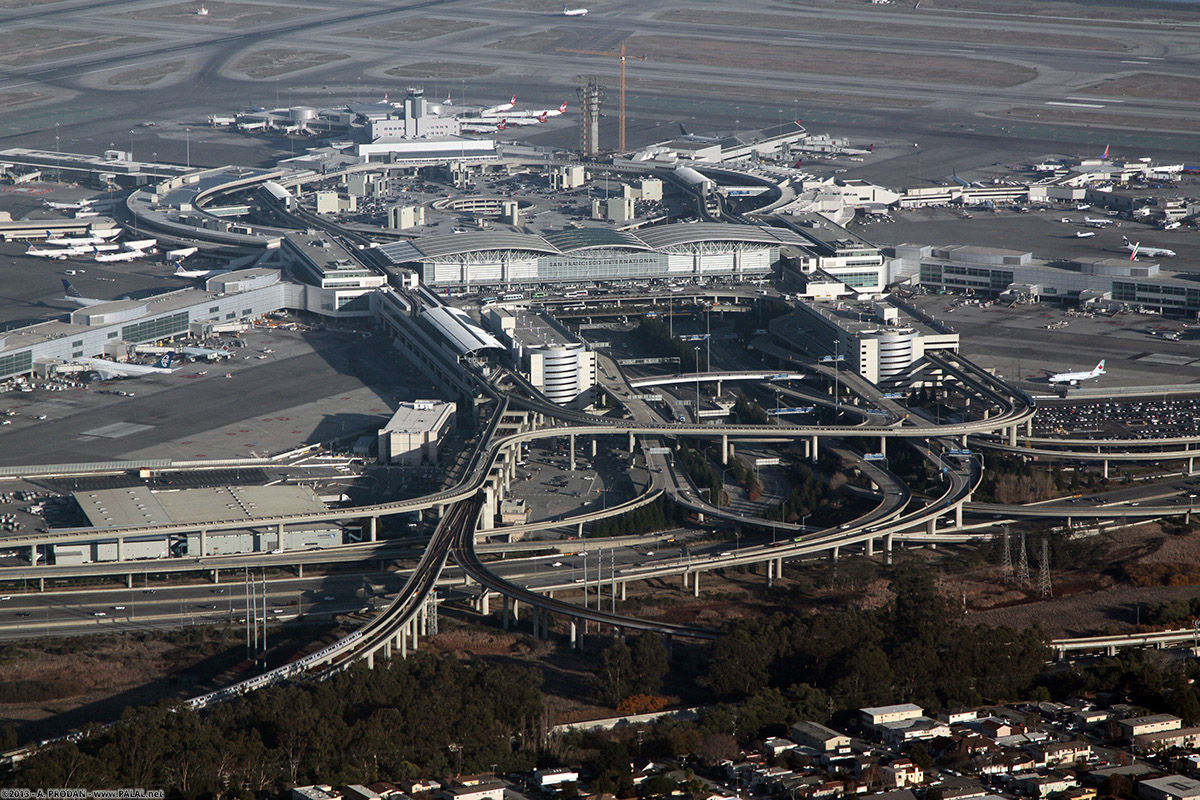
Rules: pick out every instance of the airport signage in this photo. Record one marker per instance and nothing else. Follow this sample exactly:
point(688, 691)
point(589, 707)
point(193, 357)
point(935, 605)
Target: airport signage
point(694, 337)
point(768, 462)
point(893, 396)
point(794, 410)
point(779, 376)
point(650, 398)
point(657, 451)
point(831, 359)
point(601, 345)
point(878, 411)
point(959, 453)
point(874, 457)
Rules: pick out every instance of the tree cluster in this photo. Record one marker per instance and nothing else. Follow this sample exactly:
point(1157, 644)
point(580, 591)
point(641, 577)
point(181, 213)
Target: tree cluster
point(747, 412)
point(808, 491)
point(636, 668)
point(656, 336)
point(702, 473)
point(358, 727)
point(914, 650)
point(656, 516)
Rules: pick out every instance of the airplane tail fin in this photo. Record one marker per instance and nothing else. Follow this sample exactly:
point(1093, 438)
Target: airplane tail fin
point(541, 118)
point(69, 289)
point(682, 129)
point(165, 361)
point(563, 108)
point(1105, 151)
point(1100, 366)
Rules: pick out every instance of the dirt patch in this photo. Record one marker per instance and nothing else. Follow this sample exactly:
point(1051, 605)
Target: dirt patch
point(439, 69)
point(413, 30)
point(889, 28)
point(24, 3)
point(1148, 84)
point(220, 14)
point(270, 63)
point(145, 76)
point(864, 64)
point(8, 99)
point(1056, 115)
point(35, 45)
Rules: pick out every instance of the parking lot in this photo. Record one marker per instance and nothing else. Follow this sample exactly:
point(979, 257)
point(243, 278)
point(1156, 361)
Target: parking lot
point(1120, 419)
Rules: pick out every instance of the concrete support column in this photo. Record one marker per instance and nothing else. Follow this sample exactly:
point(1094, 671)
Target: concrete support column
point(1029, 427)
point(573, 633)
point(387, 649)
point(724, 450)
point(1191, 464)
point(572, 452)
point(203, 543)
point(593, 447)
point(883, 444)
point(371, 660)
point(120, 549)
point(887, 546)
point(835, 552)
point(870, 546)
point(217, 575)
point(279, 536)
point(696, 584)
point(622, 591)
point(402, 643)
point(41, 584)
point(684, 575)
point(719, 388)
point(958, 516)
point(779, 568)
point(770, 573)
point(812, 445)
point(299, 570)
point(516, 611)
point(412, 626)
point(931, 526)
point(372, 528)
point(631, 441)
point(1012, 436)
point(129, 581)
point(484, 608)
point(1105, 462)
point(579, 532)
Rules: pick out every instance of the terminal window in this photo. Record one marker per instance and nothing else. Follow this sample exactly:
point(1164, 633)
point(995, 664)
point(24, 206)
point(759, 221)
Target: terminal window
point(16, 363)
point(159, 328)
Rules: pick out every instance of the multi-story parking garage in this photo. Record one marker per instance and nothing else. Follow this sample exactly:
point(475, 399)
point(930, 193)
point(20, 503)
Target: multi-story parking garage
point(593, 254)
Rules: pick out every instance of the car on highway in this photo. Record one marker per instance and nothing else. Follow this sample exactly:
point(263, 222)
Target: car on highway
point(99, 614)
point(328, 597)
point(118, 608)
point(6, 597)
point(23, 614)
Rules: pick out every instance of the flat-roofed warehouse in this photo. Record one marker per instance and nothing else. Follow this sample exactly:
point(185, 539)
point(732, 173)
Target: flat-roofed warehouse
point(681, 251)
point(138, 506)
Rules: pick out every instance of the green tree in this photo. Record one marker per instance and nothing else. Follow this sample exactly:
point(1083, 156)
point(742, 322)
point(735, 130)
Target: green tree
point(649, 664)
point(615, 679)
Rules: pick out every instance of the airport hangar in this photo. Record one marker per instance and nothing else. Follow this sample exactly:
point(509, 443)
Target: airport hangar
point(581, 255)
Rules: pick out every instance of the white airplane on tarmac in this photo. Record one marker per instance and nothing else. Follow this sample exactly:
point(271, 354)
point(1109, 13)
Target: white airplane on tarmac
point(182, 253)
point(72, 294)
point(536, 113)
point(1084, 234)
point(140, 244)
point(72, 241)
point(112, 258)
point(1098, 222)
point(695, 137)
point(522, 121)
point(1076, 377)
point(574, 12)
point(493, 111)
point(483, 127)
point(82, 205)
point(114, 369)
point(1136, 249)
point(180, 272)
point(57, 253)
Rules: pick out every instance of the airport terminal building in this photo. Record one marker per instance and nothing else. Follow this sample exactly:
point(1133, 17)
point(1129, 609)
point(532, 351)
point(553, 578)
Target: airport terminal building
point(583, 255)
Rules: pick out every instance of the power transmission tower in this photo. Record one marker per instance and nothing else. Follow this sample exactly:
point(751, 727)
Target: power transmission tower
point(1023, 565)
point(1006, 565)
point(1044, 570)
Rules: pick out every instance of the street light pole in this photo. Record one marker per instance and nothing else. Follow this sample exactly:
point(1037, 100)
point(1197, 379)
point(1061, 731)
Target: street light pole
point(697, 349)
point(188, 134)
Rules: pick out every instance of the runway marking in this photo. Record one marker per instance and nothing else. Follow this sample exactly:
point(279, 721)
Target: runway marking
point(1074, 105)
point(1095, 99)
point(1139, 63)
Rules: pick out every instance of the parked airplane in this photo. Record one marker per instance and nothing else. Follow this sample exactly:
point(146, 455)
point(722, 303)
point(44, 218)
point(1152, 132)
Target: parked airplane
point(574, 12)
point(254, 107)
point(1085, 234)
point(140, 244)
point(1170, 226)
point(1076, 377)
point(73, 295)
point(77, 241)
point(1098, 222)
point(180, 272)
point(113, 369)
point(57, 253)
point(521, 121)
point(492, 111)
point(694, 137)
point(482, 127)
point(80, 206)
point(109, 258)
point(536, 113)
point(182, 253)
point(1136, 250)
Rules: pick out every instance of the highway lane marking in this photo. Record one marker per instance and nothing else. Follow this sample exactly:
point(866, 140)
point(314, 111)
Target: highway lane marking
point(1074, 105)
point(1139, 63)
point(1095, 99)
